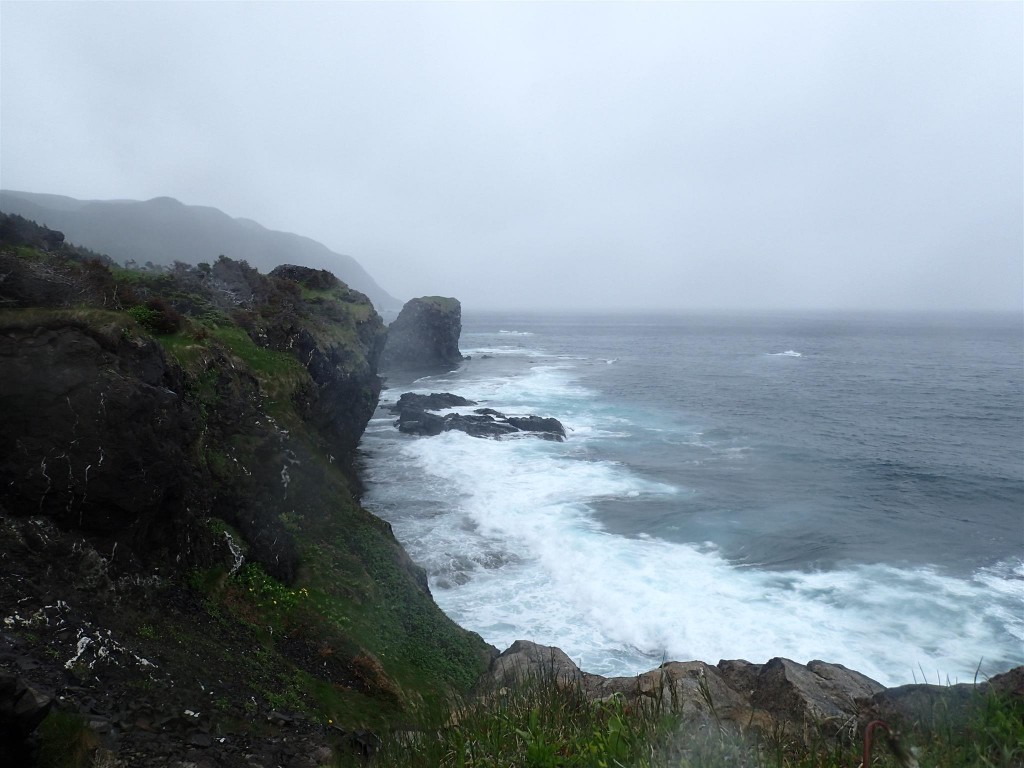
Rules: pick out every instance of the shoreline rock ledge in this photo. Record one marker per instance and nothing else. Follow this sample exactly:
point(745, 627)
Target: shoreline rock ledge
point(804, 701)
point(424, 336)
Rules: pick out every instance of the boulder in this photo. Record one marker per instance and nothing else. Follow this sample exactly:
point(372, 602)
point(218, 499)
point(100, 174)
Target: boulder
point(796, 694)
point(425, 336)
point(525, 661)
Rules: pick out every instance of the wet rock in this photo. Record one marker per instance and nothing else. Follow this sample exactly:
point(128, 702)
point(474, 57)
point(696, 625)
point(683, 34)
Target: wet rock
point(420, 423)
point(548, 428)
point(424, 336)
point(435, 401)
point(414, 418)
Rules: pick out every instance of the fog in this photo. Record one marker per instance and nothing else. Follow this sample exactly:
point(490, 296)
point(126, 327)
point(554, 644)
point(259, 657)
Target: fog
point(664, 156)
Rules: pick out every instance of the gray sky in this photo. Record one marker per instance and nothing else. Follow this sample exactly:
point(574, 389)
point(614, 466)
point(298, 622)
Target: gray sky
point(578, 155)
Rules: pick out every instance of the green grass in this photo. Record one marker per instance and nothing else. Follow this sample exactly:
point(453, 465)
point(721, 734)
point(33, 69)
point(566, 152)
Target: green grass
point(266, 362)
point(540, 724)
point(65, 741)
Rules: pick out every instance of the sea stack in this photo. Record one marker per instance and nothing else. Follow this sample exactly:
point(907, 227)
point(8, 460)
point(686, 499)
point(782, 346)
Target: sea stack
point(425, 336)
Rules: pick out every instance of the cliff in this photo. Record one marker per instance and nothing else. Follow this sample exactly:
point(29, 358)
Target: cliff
point(425, 336)
point(187, 578)
point(181, 443)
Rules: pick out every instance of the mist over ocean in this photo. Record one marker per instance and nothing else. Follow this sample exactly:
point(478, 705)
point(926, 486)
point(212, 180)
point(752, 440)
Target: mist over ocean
point(842, 487)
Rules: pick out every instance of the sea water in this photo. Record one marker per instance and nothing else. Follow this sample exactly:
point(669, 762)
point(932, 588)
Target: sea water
point(837, 487)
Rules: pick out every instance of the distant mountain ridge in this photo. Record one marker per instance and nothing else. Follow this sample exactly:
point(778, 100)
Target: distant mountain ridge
point(164, 230)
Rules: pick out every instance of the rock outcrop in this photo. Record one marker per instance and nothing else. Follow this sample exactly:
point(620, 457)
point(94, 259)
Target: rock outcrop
point(805, 702)
point(182, 551)
point(425, 336)
point(415, 418)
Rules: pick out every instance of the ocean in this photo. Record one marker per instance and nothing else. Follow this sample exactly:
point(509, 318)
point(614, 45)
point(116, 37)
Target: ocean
point(814, 486)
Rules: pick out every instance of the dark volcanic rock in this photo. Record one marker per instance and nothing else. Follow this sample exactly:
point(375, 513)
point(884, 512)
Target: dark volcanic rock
point(435, 401)
point(414, 419)
point(549, 429)
point(343, 368)
point(95, 431)
point(425, 336)
point(478, 426)
point(420, 423)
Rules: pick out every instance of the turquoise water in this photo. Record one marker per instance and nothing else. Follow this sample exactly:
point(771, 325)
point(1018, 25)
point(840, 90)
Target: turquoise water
point(834, 486)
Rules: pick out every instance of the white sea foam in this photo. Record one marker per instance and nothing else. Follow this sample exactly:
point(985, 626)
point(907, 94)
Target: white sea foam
point(516, 333)
point(518, 554)
point(509, 535)
point(787, 353)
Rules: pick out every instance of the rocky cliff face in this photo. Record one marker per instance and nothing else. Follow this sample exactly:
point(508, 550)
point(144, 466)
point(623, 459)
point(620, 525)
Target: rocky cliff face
point(424, 336)
point(179, 529)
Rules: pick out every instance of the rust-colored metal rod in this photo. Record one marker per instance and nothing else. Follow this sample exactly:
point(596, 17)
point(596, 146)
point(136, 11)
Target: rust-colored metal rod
point(869, 733)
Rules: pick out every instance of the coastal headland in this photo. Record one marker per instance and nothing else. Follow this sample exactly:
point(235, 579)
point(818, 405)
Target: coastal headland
point(186, 574)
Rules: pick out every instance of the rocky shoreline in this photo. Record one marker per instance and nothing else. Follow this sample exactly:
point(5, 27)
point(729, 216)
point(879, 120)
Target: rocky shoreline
point(803, 701)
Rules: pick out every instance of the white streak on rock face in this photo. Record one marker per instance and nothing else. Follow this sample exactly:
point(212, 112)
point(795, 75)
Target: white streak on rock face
point(99, 644)
point(285, 478)
point(74, 428)
point(83, 642)
point(49, 482)
point(236, 553)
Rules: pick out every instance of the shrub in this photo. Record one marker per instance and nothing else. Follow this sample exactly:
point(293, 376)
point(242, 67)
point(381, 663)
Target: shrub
point(157, 316)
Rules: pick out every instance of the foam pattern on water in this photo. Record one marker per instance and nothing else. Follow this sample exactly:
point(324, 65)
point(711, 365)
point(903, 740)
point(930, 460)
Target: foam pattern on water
point(508, 533)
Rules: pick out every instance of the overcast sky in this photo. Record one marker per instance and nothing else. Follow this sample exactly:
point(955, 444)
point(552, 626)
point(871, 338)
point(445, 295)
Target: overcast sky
point(578, 155)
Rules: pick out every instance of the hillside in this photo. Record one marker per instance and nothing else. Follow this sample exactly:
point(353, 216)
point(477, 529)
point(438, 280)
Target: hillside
point(163, 230)
point(181, 445)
